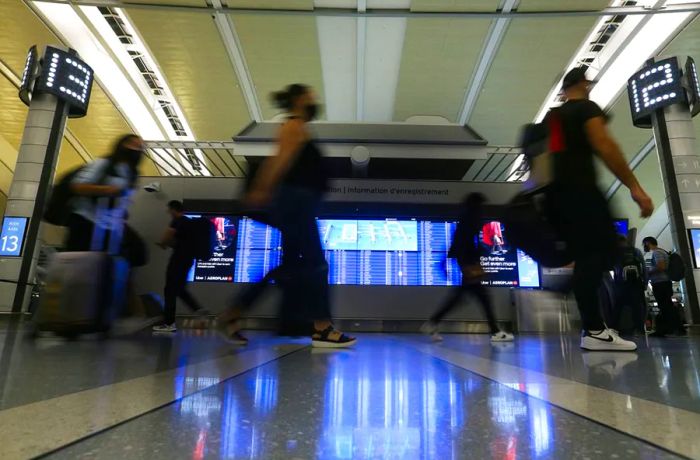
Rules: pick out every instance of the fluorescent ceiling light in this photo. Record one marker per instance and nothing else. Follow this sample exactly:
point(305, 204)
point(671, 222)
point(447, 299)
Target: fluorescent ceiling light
point(649, 41)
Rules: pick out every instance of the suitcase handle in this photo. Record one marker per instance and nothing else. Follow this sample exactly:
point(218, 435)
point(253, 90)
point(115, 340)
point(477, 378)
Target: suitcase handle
point(109, 222)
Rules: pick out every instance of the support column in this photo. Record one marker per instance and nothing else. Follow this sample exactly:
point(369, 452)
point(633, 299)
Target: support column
point(680, 167)
point(31, 184)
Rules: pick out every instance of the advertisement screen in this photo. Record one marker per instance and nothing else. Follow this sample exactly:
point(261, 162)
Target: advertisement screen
point(504, 265)
point(220, 265)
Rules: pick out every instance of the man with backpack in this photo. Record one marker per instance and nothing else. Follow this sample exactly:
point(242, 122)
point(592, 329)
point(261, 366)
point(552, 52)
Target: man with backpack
point(577, 134)
point(660, 269)
point(630, 282)
point(182, 236)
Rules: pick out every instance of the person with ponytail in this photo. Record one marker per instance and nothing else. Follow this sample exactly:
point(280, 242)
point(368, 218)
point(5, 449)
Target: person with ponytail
point(292, 182)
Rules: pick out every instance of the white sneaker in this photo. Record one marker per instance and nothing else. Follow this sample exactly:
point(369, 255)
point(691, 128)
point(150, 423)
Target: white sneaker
point(502, 337)
point(431, 329)
point(165, 328)
point(606, 340)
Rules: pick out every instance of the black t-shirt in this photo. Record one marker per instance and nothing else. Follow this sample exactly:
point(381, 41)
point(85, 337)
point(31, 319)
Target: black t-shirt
point(179, 224)
point(308, 170)
point(573, 165)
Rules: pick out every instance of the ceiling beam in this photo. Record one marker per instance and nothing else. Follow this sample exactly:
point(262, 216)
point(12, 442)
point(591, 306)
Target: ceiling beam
point(494, 37)
point(360, 54)
point(232, 43)
point(693, 7)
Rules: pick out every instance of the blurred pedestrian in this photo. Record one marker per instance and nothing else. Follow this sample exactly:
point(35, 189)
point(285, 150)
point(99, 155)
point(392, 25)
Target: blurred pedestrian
point(668, 321)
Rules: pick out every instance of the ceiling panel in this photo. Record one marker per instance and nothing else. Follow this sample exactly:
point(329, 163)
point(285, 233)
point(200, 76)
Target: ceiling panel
point(524, 70)
point(192, 57)
point(280, 50)
point(12, 116)
point(438, 59)
point(562, 5)
point(454, 5)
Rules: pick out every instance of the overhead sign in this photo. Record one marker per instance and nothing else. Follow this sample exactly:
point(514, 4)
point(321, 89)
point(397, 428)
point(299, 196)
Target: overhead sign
point(653, 87)
point(30, 65)
point(12, 236)
point(69, 78)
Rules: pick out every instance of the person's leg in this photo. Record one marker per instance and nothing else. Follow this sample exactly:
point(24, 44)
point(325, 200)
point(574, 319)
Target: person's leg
point(663, 293)
point(588, 278)
point(180, 281)
point(481, 294)
point(170, 293)
point(638, 304)
point(448, 305)
point(80, 232)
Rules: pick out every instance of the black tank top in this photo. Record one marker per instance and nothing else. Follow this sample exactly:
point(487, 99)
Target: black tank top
point(308, 171)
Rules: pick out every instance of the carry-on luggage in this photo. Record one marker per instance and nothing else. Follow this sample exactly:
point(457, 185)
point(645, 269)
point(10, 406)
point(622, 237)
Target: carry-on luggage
point(86, 291)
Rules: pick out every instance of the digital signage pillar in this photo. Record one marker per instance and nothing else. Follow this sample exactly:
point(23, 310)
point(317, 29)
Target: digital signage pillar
point(665, 97)
point(55, 85)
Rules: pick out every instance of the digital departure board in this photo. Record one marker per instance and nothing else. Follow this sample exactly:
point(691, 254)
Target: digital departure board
point(388, 252)
point(69, 78)
point(653, 87)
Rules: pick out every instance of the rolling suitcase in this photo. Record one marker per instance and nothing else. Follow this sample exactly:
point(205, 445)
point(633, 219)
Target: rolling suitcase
point(85, 291)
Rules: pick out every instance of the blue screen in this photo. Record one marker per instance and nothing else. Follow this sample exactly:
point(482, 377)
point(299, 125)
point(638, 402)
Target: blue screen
point(695, 242)
point(389, 252)
point(12, 237)
point(622, 226)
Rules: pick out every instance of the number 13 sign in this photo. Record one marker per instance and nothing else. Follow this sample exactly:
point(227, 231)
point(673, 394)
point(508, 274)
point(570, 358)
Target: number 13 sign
point(12, 237)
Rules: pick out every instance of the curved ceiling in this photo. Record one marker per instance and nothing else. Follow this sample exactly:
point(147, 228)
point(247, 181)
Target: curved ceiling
point(202, 70)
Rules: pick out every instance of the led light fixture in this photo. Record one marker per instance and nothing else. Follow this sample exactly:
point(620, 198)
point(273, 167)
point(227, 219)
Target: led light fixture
point(25, 87)
point(653, 87)
point(68, 77)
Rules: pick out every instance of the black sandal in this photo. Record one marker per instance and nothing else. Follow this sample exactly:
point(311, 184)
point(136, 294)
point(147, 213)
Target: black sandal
point(322, 339)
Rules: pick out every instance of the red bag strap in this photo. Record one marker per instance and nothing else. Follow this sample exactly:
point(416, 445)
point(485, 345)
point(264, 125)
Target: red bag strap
point(557, 142)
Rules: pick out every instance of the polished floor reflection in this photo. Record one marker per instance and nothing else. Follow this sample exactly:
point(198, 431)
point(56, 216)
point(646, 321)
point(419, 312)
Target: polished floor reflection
point(393, 397)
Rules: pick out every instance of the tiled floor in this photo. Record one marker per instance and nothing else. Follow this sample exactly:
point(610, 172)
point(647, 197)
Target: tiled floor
point(393, 397)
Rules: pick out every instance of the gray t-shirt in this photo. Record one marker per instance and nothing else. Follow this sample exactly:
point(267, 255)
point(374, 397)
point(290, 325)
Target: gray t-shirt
point(657, 255)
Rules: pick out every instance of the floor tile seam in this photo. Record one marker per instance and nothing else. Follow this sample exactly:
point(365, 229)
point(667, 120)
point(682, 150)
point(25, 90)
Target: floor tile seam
point(429, 351)
point(151, 381)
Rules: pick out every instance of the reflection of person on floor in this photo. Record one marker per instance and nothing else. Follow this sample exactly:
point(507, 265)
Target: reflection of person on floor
point(493, 237)
point(181, 260)
point(220, 226)
point(467, 255)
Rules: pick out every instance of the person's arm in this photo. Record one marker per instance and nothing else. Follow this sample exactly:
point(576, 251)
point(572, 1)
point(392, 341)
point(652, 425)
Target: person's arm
point(86, 181)
point(609, 151)
point(168, 238)
point(658, 265)
point(273, 169)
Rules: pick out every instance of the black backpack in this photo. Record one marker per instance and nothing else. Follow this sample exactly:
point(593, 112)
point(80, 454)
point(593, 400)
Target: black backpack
point(676, 267)
point(201, 237)
point(58, 208)
point(630, 268)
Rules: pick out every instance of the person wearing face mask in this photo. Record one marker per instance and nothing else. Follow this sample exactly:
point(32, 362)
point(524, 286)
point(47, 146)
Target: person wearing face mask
point(111, 177)
point(293, 182)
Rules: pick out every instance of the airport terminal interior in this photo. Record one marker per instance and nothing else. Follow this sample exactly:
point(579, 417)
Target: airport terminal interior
point(422, 103)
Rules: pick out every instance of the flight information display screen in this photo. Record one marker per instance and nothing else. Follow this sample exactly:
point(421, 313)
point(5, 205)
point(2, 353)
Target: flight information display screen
point(391, 252)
